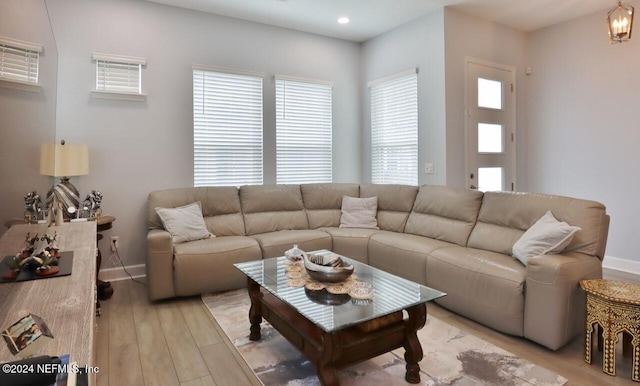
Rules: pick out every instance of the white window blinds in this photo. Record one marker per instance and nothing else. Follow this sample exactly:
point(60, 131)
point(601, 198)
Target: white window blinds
point(19, 60)
point(394, 130)
point(121, 74)
point(303, 131)
point(227, 129)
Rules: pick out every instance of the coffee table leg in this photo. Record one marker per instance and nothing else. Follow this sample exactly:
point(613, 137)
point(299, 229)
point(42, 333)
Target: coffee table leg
point(326, 369)
point(413, 349)
point(255, 316)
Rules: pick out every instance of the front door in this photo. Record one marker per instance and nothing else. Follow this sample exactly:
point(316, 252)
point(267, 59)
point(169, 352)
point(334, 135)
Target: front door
point(490, 126)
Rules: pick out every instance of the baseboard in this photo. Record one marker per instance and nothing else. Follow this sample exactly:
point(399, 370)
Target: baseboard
point(118, 273)
point(624, 265)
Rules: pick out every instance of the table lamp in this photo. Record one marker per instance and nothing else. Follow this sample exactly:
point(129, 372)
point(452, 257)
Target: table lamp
point(64, 161)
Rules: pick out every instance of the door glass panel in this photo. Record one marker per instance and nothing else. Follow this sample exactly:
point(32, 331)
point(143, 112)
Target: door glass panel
point(489, 93)
point(490, 179)
point(490, 138)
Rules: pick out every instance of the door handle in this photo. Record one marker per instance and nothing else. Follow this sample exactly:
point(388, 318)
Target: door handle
point(473, 187)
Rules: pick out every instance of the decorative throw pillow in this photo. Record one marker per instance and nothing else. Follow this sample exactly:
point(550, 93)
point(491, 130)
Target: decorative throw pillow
point(185, 223)
point(547, 235)
point(359, 212)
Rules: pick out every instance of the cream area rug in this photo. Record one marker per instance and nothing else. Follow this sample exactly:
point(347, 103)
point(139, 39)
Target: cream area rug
point(451, 356)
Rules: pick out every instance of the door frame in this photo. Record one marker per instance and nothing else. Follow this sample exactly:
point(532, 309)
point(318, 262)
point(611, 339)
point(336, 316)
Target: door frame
point(512, 70)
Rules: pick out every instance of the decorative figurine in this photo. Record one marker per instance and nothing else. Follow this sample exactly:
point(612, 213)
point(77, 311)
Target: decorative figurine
point(92, 203)
point(33, 206)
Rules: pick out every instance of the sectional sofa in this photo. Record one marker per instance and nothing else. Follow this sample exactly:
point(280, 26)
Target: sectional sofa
point(455, 240)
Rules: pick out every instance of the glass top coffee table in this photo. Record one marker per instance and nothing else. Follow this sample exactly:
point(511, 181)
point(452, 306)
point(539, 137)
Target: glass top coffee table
point(334, 331)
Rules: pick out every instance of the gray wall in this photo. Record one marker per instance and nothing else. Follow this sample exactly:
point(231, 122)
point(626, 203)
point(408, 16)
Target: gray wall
point(420, 44)
point(582, 119)
point(27, 119)
point(138, 147)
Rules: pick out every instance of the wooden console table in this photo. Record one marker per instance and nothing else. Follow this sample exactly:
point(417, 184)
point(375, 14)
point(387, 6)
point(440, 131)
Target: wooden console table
point(66, 303)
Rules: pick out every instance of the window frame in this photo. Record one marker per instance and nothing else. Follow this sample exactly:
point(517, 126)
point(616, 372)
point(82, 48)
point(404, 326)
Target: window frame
point(113, 93)
point(21, 50)
point(406, 129)
point(257, 117)
point(304, 143)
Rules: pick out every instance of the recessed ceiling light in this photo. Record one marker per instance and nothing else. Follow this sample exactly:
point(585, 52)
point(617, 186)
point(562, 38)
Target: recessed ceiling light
point(343, 20)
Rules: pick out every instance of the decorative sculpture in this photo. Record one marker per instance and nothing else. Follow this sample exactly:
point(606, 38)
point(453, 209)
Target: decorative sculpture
point(33, 206)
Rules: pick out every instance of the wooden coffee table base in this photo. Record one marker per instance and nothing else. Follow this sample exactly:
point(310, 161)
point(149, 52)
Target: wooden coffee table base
point(331, 351)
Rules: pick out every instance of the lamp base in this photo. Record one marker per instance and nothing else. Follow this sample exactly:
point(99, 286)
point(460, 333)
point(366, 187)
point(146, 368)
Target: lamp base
point(66, 194)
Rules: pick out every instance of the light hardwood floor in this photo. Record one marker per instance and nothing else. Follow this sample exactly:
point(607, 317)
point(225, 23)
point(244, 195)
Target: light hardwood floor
point(177, 342)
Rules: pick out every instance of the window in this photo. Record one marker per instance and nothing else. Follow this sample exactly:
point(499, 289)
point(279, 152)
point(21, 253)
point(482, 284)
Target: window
point(19, 61)
point(119, 74)
point(394, 129)
point(303, 132)
point(227, 128)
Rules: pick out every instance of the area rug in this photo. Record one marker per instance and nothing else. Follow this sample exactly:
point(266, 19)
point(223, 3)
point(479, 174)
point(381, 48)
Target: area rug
point(451, 356)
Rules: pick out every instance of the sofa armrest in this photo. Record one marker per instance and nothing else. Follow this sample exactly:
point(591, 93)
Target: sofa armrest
point(160, 265)
point(554, 311)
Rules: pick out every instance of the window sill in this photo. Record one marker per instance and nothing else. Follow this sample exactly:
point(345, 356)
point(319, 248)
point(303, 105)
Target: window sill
point(18, 85)
point(124, 96)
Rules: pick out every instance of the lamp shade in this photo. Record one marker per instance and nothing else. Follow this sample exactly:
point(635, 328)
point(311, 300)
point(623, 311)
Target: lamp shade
point(64, 160)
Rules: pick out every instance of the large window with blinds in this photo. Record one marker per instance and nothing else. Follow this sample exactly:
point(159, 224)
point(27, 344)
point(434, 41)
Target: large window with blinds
point(394, 129)
point(227, 128)
point(19, 60)
point(303, 131)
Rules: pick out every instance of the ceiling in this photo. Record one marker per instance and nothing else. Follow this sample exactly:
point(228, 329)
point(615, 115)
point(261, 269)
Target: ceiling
point(370, 18)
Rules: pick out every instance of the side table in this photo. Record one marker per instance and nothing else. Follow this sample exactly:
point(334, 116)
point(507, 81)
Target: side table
point(614, 306)
point(105, 290)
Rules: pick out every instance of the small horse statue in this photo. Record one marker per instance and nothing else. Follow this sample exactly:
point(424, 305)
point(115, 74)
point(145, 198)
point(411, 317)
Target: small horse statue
point(93, 202)
point(33, 205)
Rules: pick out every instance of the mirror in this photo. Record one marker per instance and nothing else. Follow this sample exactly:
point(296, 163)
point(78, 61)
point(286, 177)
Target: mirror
point(28, 116)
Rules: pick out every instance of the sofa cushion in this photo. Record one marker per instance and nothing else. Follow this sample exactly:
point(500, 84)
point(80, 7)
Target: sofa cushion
point(547, 235)
point(359, 212)
point(394, 204)
point(220, 207)
point(274, 244)
point(505, 216)
point(351, 242)
point(185, 223)
point(402, 254)
point(207, 265)
point(444, 213)
point(270, 208)
point(485, 286)
point(323, 202)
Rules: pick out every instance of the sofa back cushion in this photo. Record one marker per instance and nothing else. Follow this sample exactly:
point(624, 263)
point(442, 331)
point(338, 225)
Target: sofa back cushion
point(505, 216)
point(220, 207)
point(444, 213)
point(394, 204)
point(270, 208)
point(323, 202)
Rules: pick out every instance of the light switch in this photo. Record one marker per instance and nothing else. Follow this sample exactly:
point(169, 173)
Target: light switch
point(428, 168)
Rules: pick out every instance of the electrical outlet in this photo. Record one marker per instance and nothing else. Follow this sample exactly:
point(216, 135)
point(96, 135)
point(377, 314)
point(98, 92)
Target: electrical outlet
point(114, 243)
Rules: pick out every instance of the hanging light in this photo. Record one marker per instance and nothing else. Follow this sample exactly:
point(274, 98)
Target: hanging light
point(619, 23)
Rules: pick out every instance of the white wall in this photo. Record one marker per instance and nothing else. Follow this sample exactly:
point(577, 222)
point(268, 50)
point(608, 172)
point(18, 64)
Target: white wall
point(420, 44)
point(582, 118)
point(27, 119)
point(469, 36)
point(138, 147)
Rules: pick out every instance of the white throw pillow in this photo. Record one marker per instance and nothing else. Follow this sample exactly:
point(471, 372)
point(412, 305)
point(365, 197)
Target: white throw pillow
point(185, 223)
point(547, 235)
point(359, 212)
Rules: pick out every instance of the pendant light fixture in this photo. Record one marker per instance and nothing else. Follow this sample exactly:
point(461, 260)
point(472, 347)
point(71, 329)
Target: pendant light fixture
point(619, 23)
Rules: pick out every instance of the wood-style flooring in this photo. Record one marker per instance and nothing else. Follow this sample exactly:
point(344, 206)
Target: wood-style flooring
point(177, 342)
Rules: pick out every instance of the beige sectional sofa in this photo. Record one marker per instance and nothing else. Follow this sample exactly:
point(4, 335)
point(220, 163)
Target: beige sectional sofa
point(455, 240)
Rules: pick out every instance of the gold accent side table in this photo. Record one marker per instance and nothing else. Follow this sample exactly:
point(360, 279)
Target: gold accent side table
point(615, 307)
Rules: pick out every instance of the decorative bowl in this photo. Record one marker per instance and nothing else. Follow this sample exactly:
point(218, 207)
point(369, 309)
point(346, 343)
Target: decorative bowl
point(334, 273)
